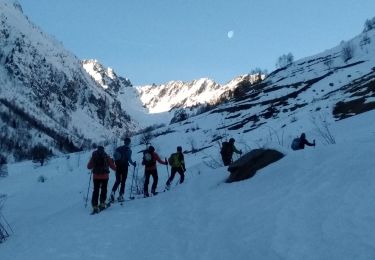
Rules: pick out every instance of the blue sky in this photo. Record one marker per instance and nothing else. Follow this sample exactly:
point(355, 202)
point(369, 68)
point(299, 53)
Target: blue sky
point(155, 41)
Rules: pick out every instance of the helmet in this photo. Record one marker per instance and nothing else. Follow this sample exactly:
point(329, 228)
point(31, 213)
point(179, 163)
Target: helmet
point(179, 149)
point(231, 140)
point(151, 149)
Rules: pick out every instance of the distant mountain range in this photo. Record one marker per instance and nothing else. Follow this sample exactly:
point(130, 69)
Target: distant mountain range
point(178, 94)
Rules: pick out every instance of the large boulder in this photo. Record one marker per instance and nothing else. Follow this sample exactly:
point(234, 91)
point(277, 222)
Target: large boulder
point(246, 167)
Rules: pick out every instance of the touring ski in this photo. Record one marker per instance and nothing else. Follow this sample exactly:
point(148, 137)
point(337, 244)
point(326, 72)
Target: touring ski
point(100, 209)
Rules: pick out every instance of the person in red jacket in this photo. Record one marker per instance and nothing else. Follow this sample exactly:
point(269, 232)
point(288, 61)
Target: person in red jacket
point(149, 161)
point(99, 163)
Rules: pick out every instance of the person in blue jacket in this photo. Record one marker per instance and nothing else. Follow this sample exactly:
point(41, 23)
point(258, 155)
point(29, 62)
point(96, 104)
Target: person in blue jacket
point(122, 156)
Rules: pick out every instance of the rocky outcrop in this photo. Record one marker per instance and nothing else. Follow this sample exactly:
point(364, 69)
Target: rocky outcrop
point(247, 166)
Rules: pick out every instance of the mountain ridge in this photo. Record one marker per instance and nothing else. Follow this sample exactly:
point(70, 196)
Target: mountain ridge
point(51, 88)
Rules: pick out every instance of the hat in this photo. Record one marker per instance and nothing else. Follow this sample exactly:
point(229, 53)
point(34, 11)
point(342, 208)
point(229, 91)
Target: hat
point(127, 140)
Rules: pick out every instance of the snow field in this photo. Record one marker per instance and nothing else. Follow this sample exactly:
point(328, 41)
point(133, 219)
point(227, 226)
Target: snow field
point(312, 204)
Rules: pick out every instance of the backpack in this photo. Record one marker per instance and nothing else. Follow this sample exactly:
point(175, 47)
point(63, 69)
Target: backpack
point(226, 149)
point(100, 161)
point(122, 154)
point(174, 160)
point(148, 160)
point(295, 144)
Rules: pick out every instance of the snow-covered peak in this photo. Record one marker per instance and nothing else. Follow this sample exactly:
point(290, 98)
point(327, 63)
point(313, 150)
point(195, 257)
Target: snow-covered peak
point(252, 78)
point(179, 94)
point(105, 77)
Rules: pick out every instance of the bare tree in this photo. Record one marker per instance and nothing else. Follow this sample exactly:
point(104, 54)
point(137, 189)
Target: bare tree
point(322, 129)
point(179, 115)
point(285, 60)
point(4, 233)
point(146, 138)
point(258, 73)
point(272, 133)
point(347, 51)
point(3, 166)
point(365, 41)
point(329, 63)
point(369, 25)
point(213, 163)
point(40, 153)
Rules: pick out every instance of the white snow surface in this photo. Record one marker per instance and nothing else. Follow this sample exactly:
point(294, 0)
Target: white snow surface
point(132, 104)
point(312, 204)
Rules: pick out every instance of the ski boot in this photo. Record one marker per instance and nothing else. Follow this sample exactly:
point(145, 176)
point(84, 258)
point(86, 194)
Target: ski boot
point(112, 197)
point(102, 206)
point(120, 198)
point(95, 210)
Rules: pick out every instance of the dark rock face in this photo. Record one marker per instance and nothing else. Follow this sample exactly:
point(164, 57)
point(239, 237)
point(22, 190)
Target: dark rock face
point(247, 166)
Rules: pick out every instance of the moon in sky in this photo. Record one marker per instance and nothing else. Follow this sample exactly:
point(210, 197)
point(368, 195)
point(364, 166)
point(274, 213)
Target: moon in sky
point(230, 34)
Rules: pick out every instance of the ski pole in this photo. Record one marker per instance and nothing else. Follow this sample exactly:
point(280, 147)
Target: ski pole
point(131, 187)
point(167, 167)
point(6, 222)
point(136, 182)
point(2, 217)
point(88, 189)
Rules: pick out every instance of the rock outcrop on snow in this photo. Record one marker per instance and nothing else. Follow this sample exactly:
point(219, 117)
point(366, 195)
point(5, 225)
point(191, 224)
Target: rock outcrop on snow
point(248, 165)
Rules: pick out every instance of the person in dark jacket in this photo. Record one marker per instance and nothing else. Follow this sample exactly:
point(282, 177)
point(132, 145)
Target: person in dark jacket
point(100, 163)
point(149, 161)
point(178, 165)
point(227, 151)
point(122, 156)
point(303, 141)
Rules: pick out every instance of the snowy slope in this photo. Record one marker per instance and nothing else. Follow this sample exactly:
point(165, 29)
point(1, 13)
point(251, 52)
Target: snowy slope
point(131, 101)
point(312, 204)
point(307, 96)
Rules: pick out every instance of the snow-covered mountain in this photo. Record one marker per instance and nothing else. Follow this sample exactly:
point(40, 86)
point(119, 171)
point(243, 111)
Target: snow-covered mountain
point(106, 77)
point(46, 95)
point(309, 95)
point(129, 96)
point(179, 94)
